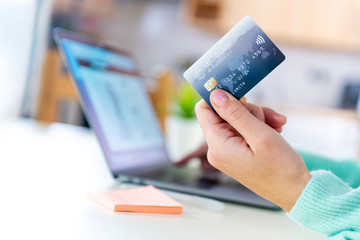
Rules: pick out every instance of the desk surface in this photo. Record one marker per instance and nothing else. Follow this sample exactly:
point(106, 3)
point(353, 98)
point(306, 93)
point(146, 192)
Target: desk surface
point(46, 172)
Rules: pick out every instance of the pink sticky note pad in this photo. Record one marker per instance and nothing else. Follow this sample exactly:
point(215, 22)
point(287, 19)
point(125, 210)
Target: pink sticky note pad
point(147, 199)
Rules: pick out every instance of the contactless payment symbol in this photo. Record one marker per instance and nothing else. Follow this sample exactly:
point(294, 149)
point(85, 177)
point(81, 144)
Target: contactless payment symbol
point(260, 40)
point(236, 63)
point(211, 84)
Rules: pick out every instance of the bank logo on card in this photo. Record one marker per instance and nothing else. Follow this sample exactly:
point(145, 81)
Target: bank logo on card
point(200, 74)
point(211, 84)
point(236, 63)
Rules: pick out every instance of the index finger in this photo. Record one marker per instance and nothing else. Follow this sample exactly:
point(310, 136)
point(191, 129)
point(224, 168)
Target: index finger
point(215, 129)
point(206, 116)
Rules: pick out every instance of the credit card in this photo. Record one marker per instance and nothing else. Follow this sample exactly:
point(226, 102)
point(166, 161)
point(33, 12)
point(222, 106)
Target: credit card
point(236, 63)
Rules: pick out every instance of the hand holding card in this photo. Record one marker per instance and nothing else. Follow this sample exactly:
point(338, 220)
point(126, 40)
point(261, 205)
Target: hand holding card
point(236, 63)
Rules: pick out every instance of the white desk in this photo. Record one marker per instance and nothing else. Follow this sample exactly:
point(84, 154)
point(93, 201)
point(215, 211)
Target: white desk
point(46, 172)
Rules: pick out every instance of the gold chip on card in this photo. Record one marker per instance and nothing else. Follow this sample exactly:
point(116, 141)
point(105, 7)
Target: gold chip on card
point(211, 84)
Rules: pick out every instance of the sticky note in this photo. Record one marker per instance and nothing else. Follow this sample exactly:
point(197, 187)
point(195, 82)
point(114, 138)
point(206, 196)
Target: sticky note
point(147, 199)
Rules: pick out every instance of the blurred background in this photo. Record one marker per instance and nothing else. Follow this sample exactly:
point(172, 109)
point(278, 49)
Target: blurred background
point(317, 86)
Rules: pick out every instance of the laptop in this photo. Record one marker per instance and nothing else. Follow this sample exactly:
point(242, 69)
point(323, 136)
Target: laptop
point(114, 99)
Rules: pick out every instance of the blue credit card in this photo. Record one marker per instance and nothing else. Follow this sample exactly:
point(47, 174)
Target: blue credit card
point(236, 63)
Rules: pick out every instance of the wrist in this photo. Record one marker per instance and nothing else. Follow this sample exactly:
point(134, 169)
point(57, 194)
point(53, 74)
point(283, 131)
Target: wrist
point(294, 191)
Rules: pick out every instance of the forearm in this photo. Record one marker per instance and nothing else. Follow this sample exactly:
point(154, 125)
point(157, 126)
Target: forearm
point(328, 205)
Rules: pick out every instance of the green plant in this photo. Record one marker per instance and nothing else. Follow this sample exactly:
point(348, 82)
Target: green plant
point(186, 100)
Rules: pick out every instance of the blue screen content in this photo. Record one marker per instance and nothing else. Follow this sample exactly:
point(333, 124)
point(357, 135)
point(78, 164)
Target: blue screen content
point(116, 104)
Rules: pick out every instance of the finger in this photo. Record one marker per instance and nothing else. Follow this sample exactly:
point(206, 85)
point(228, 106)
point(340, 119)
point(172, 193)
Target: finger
point(273, 119)
point(200, 152)
point(279, 129)
point(185, 159)
point(206, 116)
point(216, 131)
point(207, 166)
point(232, 111)
point(255, 110)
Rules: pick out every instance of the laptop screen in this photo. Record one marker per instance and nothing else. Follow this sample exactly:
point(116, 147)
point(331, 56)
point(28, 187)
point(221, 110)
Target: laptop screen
point(115, 101)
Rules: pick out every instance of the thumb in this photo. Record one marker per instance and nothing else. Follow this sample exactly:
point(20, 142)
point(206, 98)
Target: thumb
point(233, 112)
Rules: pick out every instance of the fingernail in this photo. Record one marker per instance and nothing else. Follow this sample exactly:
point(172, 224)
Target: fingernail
point(243, 100)
point(218, 97)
